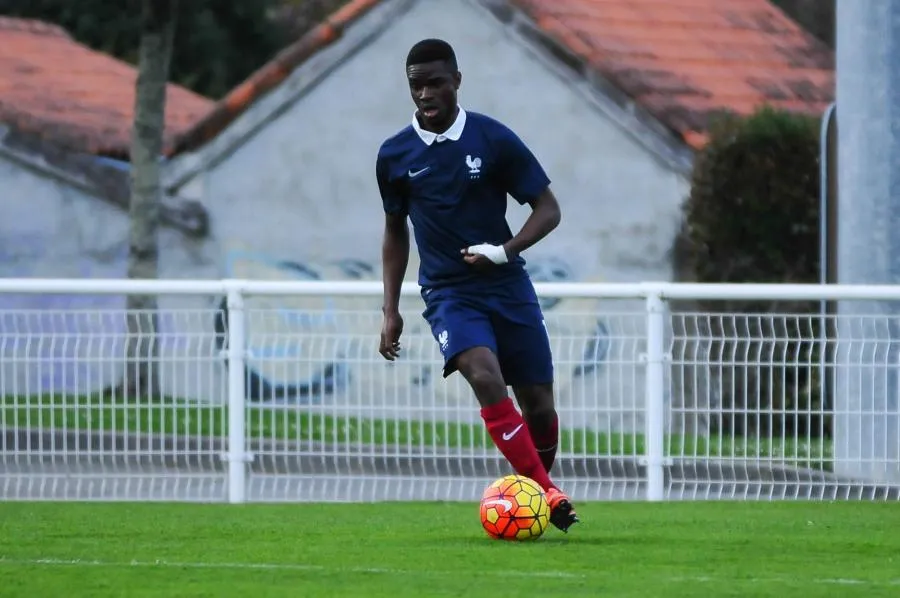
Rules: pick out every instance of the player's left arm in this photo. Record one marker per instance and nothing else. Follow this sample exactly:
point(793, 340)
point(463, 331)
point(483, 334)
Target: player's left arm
point(545, 216)
point(523, 177)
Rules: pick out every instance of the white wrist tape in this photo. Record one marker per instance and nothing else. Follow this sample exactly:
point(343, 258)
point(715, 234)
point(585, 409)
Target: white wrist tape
point(495, 253)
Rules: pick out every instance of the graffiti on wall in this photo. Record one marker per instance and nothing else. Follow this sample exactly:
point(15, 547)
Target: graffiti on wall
point(289, 358)
point(301, 350)
point(282, 362)
point(46, 332)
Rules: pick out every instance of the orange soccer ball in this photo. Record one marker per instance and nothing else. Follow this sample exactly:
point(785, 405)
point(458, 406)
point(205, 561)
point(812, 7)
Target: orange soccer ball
point(514, 508)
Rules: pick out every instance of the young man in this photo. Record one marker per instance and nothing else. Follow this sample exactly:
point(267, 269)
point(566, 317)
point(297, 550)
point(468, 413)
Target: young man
point(450, 172)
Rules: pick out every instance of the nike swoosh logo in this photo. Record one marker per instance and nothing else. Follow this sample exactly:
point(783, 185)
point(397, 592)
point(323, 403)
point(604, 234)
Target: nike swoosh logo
point(413, 175)
point(507, 436)
point(500, 501)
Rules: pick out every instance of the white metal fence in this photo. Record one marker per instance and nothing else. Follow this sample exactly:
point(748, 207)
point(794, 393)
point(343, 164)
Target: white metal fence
point(274, 391)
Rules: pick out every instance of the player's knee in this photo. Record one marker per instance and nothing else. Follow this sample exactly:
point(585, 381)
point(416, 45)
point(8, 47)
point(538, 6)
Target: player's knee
point(484, 376)
point(536, 401)
point(539, 407)
point(487, 385)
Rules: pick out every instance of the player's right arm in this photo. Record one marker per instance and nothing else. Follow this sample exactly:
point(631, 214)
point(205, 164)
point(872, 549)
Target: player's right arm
point(394, 258)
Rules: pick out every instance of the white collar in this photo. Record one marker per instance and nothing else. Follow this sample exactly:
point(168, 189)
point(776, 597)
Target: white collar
point(453, 133)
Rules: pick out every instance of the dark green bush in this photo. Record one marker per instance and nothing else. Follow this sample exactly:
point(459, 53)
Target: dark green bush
point(753, 216)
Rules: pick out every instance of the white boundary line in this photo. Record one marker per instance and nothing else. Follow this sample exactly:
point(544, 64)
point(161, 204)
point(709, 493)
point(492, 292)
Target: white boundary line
point(161, 564)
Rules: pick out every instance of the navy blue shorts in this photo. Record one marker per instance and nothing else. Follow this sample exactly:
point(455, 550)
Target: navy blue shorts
point(505, 318)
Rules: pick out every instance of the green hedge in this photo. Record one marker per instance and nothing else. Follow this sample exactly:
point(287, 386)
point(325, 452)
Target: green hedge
point(753, 216)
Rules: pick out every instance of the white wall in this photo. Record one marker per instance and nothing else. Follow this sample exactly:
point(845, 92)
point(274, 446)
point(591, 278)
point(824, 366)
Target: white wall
point(53, 343)
point(313, 167)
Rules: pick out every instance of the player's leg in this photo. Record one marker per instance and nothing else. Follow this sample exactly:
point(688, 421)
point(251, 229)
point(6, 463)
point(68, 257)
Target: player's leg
point(527, 365)
point(536, 401)
point(481, 369)
point(526, 360)
point(466, 339)
point(538, 410)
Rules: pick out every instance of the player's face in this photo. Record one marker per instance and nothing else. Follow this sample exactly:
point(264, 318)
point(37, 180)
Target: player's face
point(433, 87)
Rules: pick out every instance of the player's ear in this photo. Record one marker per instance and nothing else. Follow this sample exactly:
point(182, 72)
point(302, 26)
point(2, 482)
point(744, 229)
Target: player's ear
point(457, 79)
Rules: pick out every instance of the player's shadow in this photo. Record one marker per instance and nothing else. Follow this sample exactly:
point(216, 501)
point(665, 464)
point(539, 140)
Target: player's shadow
point(599, 537)
point(549, 538)
point(572, 539)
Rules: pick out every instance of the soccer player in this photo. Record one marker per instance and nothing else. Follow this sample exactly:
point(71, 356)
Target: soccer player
point(449, 172)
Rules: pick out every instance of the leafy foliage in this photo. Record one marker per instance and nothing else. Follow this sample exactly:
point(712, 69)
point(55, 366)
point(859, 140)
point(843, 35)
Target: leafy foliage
point(753, 216)
point(753, 211)
point(218, 43)
point(816, 16)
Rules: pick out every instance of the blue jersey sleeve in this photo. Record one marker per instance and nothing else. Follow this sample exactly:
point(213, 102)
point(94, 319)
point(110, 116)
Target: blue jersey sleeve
point(393, 197)
point(523, 176)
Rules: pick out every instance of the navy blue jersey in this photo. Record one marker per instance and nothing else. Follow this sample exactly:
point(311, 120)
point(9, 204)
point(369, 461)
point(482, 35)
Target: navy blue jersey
point(454, 189)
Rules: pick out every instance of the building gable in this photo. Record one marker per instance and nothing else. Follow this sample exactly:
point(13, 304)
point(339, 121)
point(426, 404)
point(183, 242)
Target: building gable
point(661, 74)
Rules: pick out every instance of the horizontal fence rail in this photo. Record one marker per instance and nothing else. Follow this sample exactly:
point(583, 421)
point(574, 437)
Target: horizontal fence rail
point(245, 390)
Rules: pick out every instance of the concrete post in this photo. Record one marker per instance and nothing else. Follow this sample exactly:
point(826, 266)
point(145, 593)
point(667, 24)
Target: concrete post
point(867, 385)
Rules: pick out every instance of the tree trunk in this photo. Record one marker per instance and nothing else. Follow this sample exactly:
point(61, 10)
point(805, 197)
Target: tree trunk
point(157, 32)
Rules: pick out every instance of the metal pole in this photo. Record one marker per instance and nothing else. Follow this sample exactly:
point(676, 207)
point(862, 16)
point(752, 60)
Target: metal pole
point(824, 253)
point(236, 455)
point(655, 430)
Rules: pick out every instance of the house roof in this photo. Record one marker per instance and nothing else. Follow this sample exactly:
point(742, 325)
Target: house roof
point(58, 89)
point(681, 60)
point(678, 60)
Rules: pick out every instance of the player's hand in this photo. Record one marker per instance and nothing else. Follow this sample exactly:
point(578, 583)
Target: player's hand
point(485, 256)
point(479, 262)
point(391, 329)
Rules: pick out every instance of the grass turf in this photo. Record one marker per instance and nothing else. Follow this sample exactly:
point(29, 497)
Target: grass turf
point(150, 550)
point(318, 424)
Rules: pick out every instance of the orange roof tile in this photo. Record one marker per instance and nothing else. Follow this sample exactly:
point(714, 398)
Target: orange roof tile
point(680, 60)
point(53, 87)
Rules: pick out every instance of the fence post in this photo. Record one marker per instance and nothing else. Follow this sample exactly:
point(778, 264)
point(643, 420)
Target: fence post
point(236, 455)
point(654, 435)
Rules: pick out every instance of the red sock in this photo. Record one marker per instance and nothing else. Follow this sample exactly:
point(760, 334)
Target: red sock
point(546, 438)
point(507, 428)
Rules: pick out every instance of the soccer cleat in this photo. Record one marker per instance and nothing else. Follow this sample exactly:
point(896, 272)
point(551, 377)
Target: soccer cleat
point(562, 513)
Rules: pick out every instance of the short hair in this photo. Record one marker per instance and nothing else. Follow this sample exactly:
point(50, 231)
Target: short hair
point(431, 50)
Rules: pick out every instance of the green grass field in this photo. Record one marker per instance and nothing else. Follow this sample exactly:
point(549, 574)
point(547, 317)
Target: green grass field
point(156, 550)
point(310, 424)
